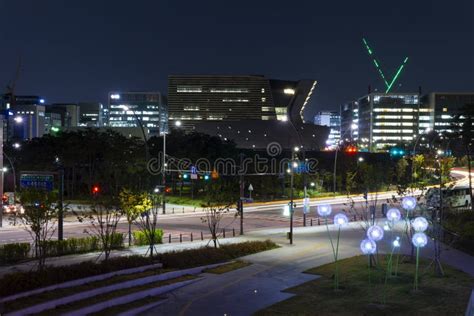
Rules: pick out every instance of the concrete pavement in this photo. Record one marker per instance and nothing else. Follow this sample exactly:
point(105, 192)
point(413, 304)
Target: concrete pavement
point(247, 290)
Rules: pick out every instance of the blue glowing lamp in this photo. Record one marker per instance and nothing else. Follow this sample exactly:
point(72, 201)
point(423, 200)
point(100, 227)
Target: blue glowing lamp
point(375, 233)
point(324, 210)
point(368, 246)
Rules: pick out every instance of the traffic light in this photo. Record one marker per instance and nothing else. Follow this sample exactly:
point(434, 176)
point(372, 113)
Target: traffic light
point(351, 149)
point(397, 152)
point(95, 190)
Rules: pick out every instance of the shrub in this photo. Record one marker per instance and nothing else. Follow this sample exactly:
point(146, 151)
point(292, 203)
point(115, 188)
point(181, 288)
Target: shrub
point(117, 240)
point(72, 246)
point(13, 253)
point(142, 239)
point(24, 281)
point(207, 255)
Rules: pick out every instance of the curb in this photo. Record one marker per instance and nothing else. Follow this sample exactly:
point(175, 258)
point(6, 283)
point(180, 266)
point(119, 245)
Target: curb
point(130, 298)
point(106, 289)
point(77, 282)
point(136, 311)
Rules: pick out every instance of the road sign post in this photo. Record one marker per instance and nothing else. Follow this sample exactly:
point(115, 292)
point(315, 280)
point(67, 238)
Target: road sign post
point(250, 191)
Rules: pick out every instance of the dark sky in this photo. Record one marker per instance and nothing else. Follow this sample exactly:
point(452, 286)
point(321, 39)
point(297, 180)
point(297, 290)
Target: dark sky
point(80, 50)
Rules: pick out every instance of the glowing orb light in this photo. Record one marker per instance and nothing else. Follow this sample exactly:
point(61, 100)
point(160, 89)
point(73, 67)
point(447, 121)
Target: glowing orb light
point(368, 246)
point(409, 203)
point(324, 210)
point(419, 240)
point(396, 242)
point(340, 220)
point(393, 214)
point(419, 224)
point(375, 233)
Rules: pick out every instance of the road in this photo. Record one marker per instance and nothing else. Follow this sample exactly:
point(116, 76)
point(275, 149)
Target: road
point(256, 217)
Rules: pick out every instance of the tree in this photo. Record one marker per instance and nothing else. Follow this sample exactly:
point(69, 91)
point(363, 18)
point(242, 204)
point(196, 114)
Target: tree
point(463, 127)
point(219, 200)
point(148, 219)
point(103, 220)
point(39, 219)
point(133, 204)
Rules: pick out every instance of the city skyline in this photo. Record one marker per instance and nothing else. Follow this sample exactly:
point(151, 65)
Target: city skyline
point(80, 52)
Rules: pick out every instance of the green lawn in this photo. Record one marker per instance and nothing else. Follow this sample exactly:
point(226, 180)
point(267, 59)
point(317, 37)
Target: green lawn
point(448, 295)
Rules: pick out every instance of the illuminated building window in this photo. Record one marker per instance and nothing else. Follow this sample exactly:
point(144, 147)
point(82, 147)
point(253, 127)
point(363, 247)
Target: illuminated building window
point(189, 89)
point(445, 109)
point(268, 109)
point(289, 91)
point(229, 90)
point(235, 100)
point(191, 108)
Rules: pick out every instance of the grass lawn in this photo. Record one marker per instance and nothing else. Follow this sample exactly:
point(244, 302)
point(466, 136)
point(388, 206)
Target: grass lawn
point(447, 295)
point(228, 267)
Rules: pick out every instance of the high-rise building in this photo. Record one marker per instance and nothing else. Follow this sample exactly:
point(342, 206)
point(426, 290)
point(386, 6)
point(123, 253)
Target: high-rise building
point(250, 110)
point(69, 113)
point(332, 119)
point(91, 114)
point(24, 116)
point(384, 120)
point(442, 108)
point(130, 109)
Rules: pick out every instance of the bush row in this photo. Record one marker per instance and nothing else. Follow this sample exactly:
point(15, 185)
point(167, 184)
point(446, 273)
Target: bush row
point(12, 253)
point(208, 255)
point(24, 281)
point(142, 239)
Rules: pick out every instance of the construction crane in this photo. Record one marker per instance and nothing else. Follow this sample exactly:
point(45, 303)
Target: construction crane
point(388, 85)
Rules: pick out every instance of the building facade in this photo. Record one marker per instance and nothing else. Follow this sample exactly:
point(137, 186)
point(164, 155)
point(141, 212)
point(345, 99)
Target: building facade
point(379, 121)
point(443, 107)
point(24, 116)
point(250, 110)
point(91, 114)
point(137, 109)
point(332, 119)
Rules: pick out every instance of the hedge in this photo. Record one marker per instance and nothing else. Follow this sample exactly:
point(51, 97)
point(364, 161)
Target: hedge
point(142, 239)
point(24, 281)
point(209, 255)
point(71, 246)
point(14, 253)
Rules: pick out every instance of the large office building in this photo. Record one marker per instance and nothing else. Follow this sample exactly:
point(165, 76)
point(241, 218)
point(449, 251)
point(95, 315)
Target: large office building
point(91, 114)
point(251, 110)
point(384, 120)
point(379, 121)
point(332, 119)
point(444, 107)
point(137, 109)
point(24, 116)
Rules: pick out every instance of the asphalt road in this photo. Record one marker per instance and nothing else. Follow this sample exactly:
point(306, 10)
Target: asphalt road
point(181, 225)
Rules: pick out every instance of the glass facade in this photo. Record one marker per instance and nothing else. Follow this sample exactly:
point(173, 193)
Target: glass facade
point(129, 109)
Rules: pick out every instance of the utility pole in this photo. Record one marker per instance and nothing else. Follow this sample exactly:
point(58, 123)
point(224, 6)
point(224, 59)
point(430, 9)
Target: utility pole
point(61, 205)
point(163, 179)
point(240, 203)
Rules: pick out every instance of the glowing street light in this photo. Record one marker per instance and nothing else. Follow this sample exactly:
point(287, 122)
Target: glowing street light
point(178, 123)
point(409, 203)
point(16, 145)
point(419, 240)
point(324, 210)
point(420, 224)
point(340, 220)
point(393, 214)
point(375, 233)
point(368, 246)
point(18, 119)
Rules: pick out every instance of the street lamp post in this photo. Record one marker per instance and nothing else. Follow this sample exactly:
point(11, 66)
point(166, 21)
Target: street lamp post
point(293, 166)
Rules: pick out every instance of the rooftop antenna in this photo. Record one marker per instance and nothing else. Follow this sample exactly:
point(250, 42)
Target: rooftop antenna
point(388, 85)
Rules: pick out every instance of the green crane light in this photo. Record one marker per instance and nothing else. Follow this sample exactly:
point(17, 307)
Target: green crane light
point(388, 85)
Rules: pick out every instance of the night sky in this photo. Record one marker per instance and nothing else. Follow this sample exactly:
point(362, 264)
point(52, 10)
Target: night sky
point(79, 50)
